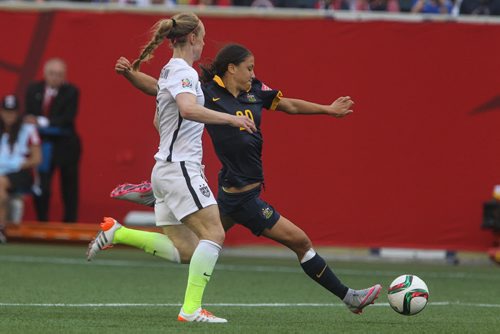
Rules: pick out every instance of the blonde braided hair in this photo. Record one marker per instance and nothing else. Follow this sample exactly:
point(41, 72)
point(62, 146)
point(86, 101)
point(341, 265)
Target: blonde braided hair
point(176, 29)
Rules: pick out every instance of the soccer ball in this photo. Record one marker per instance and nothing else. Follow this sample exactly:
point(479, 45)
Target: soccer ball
point(408, 294)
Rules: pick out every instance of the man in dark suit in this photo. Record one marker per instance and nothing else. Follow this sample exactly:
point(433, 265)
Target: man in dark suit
point(52, 104)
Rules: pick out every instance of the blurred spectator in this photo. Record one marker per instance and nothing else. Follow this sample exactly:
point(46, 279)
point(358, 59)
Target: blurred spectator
point(295, 3)
point(334, 4)
point(253, 3)
point(405, 6)
point(360, 5)
point(204, 3)
point(19, 154)
point(432, 6)
point(169, 3)
point(242, 3)
point(262, 4)
point(480, 7)
point(52, 104)
point(378, 5)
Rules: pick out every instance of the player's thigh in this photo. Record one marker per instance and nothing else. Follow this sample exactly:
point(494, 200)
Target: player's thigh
point(206, 224)
point(247, 209)
point(287, 233)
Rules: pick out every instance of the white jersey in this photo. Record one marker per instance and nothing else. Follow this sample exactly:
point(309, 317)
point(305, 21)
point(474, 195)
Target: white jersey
point(180, 139)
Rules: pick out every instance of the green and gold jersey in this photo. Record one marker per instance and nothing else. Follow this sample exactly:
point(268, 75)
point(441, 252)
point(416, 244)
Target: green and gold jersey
point(239, 151)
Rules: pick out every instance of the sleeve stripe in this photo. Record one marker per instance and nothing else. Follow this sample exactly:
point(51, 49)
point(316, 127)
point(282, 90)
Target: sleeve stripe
point(276, 100)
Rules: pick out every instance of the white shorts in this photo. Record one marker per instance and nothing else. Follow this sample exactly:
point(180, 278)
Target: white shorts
point(180, 189)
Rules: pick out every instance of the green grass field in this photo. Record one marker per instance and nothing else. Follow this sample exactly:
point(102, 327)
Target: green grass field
point(52, 289)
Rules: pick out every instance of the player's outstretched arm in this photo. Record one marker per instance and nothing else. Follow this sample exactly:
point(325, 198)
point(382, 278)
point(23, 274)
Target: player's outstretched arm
point(339, 108)
point(145, 83)
point(193, 111)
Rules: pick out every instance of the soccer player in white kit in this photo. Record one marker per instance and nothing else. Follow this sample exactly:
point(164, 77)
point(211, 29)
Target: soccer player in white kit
point(181, 192)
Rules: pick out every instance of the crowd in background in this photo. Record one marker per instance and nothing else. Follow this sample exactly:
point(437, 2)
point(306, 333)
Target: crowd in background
point(453, 7)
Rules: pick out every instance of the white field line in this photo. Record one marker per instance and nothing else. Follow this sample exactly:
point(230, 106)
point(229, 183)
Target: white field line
point(228, 267)
point(232, 305)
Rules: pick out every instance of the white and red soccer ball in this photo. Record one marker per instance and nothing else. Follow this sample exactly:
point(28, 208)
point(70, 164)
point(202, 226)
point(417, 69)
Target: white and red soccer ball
point(408, 294)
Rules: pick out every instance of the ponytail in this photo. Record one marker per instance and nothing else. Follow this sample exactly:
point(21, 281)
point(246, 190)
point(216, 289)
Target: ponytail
point(176, 29)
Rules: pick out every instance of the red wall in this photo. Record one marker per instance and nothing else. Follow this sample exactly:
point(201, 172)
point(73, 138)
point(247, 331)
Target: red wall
point(411, 167)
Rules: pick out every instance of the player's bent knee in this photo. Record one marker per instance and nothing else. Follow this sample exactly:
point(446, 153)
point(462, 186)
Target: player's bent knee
point(218, 236)
point(301, 246)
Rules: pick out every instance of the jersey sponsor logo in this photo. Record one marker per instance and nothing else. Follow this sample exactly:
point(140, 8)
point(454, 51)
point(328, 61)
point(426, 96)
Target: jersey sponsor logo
point(186, 83)
point(251, 98)
point(215, 99)
point(265, 87)
point(204, 190)
point(267, 212)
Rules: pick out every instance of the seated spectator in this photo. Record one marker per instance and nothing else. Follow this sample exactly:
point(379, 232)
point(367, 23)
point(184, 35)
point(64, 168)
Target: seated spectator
point(480, 7)
point(19, 153)
point(432, 6)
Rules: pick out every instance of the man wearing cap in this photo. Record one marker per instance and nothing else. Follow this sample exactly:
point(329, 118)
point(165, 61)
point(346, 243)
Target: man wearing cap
point(53, 104)
point(19, 154)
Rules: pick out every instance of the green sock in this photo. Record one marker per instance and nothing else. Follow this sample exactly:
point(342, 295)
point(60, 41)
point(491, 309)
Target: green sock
point(151, 242)
point(200, 269)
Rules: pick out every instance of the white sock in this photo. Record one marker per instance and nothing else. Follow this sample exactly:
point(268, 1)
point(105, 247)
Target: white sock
point(308, 255)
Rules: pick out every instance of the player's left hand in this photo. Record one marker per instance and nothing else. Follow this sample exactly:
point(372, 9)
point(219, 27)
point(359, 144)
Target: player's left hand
point(341, 107)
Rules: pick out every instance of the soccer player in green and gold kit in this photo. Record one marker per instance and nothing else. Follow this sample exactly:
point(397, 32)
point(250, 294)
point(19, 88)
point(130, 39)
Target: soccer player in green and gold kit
point(230, 87)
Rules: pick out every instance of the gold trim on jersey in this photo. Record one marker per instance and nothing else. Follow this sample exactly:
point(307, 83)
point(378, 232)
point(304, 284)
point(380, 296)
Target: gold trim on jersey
point(219, 81)
point(276, 100)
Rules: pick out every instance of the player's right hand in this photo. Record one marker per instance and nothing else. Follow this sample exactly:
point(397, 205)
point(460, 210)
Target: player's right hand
point(122, 65)
point(341, 107)
point(244, 123)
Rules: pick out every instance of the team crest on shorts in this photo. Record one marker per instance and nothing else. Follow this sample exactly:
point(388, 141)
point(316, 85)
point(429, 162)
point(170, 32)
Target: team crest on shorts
point(204, 190)
point(186, 83)
point(267, 212)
